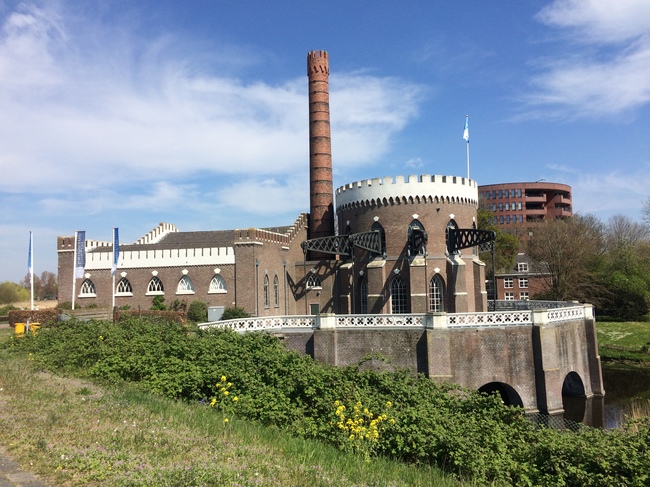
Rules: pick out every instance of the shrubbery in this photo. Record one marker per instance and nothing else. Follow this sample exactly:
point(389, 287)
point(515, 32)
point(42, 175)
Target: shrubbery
point(198, 312)
point(467, 433)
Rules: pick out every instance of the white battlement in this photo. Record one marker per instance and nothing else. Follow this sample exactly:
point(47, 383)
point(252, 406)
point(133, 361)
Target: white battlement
point(134, 259)
point(157, 234)
point(414, 186)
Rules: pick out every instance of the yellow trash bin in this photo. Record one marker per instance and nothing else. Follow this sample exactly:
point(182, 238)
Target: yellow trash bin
point(34, 327)
point(19, 330)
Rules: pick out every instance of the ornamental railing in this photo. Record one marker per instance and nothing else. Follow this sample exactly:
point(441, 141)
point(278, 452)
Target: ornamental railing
point(423, 321)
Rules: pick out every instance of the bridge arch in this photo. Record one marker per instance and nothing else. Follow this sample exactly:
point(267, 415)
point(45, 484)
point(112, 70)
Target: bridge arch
point(509, 395)
point(574, 400)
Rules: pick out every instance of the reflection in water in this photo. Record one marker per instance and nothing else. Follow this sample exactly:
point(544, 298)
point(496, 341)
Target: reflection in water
point(622, 384)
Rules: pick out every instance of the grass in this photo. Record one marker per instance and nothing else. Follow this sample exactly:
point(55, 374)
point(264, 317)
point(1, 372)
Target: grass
point(74, 432)
point(624, 341)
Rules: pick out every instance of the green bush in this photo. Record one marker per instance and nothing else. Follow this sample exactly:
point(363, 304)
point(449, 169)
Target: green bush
point(467, 433)
point(158, 303)
point(233, 313)
point(198, 312)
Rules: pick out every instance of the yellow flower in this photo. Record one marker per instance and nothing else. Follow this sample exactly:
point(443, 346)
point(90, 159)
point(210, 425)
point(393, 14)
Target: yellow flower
point(223, 378)
point(225, 420)
point(229, 384)
point(389, 404)
point(213, 402)
point(235, 399)
point(225, 393)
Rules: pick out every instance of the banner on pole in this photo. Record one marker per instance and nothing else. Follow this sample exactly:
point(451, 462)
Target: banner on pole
point(466, 131)
point(80, 264)
point(116, 249)
point(30, 269)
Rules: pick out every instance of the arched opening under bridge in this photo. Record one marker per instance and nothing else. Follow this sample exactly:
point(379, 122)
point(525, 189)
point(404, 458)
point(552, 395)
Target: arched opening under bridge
point(574, 399)
point(508, 395)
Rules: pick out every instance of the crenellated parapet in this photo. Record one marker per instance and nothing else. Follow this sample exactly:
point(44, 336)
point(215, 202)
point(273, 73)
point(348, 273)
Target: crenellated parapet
point(157, 234)
point(411, 190)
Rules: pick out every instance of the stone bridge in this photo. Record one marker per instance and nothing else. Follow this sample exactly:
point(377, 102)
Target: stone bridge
point(531, 357)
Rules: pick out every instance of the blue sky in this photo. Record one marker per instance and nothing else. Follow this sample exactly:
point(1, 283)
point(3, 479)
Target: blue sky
point(126, 114)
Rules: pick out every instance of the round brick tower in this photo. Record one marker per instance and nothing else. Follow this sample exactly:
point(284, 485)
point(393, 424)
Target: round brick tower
point(321, 198)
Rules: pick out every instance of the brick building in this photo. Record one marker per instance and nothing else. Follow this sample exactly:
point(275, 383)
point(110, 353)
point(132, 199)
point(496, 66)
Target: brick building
point(515, 205)
point(390, 255)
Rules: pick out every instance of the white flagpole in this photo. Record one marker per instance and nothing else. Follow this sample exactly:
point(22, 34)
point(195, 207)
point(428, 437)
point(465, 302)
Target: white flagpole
point(113, 272)
point(31, 266)
point(74, 268)
point(466, 137)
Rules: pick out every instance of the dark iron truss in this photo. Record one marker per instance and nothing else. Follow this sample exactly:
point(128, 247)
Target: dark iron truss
point(345, 244)
point(463, 238)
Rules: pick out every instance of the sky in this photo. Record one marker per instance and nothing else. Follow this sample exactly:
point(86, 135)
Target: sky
point(127, 114)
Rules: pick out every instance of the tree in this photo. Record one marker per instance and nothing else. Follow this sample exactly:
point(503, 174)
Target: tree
point(569, 251)
point(506, 244)
point(235, 312)
point(10, 292)
point(645, 212)
point(45, 286)
point(158, 303)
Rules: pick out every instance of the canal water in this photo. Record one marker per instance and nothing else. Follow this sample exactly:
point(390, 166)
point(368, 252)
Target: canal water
point(623, 385)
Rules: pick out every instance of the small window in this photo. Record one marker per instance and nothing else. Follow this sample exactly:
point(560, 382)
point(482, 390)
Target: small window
point(436, 302)
point(363, 292)
point(398, 296)
point(313, 282)
point(519, 193)
point(523, 295)
point(185, 286)
point(522, 267)
point(500, 194)
point(507, 206)
point(266, 291)
point(509, 296)
point(155, 286)
point(523, 282)
point(87, 289)
point(217, 285)
point(124, 288)
point(508, 283)
point(276, 291)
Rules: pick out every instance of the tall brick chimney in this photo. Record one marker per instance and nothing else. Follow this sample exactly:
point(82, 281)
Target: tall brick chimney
point(321, 198)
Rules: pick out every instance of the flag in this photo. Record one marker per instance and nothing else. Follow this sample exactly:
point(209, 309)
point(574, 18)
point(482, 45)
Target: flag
point(30, 268)
point(116, 249)
point(466, 132)
point(80, 264)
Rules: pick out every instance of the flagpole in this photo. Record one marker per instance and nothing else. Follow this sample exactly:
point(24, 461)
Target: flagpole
point(74, 268)
point(31, 267)
point(466, 137)
point(113, 272)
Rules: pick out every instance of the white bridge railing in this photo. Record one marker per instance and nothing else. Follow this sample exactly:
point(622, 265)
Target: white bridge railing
point(421, 321)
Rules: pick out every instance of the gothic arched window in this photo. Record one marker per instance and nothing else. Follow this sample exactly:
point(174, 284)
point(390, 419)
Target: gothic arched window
point(217, 284)
point(398, 296)
point(155, 286)
point(436, 294)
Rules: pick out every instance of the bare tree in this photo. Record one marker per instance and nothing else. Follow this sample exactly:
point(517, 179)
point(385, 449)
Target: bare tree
point(568, 251)
point(621, 231)
point(645, 212)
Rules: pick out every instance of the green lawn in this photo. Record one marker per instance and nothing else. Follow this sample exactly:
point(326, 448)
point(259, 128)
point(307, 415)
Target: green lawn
point(624, 341)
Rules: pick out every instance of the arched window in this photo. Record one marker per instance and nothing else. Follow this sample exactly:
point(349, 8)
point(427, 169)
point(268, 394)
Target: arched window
point(185, 286)
point(313, 281)
point(276, 292)
point(363, 295)
point(266, 291)
point(376, 226)
point(217, 284)
point(398, 296)
point(155, 286)
point(87, 289)
point(417, 238)
point(451, 225)
point(436, 294)
point(124, 288)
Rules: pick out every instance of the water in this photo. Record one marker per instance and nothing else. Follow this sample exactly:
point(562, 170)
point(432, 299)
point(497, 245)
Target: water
point(622, 385)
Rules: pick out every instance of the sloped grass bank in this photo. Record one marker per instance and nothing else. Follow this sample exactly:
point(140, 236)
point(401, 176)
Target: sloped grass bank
point(74, 432)
point(367, 414)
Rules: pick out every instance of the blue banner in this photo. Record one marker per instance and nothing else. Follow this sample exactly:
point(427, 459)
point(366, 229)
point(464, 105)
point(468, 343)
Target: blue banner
point(29, 257)
point(80, 264)
point(116, 249)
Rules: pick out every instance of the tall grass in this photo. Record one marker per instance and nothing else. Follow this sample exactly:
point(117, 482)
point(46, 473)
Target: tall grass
point(74, 432)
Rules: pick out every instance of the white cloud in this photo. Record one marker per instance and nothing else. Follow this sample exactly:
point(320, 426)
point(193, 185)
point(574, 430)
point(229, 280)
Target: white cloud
point(607, 72)
point(87, 107)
